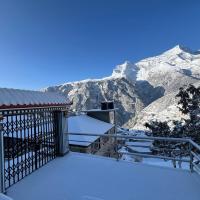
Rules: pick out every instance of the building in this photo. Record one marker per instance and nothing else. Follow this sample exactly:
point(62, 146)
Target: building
point(15, 99)
point(84, 124)
point(16, 140)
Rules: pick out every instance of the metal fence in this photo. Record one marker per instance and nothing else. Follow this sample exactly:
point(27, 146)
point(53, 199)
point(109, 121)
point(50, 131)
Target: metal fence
point(176, 150)
point(29, 137)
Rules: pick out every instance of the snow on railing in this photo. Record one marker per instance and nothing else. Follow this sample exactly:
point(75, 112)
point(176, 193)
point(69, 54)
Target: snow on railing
point(177, 150)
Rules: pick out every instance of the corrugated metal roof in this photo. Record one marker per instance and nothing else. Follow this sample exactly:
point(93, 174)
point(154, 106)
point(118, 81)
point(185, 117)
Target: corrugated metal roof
point(11, 98)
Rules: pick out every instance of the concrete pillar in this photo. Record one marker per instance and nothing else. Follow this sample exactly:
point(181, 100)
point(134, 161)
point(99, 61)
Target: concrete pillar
point(62, 132)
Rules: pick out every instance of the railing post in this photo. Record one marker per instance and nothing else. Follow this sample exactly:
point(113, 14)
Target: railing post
point(61, 132)
point(35, 141)
point(116, 149)
point(2, 181)
point(191, 158)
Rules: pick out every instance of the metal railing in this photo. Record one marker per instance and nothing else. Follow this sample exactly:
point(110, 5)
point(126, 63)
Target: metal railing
point(29, 141)
point(177, 150)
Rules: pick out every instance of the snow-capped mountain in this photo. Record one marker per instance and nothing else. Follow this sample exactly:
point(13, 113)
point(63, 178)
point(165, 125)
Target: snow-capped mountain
point(134, 86)
point(127, 70)
point(162, 109)
point(171, 69)
point(88, 95)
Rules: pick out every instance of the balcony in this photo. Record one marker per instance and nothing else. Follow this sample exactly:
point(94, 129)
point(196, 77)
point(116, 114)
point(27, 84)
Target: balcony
point(32, 169)
point(83, 176)
point(89, 177)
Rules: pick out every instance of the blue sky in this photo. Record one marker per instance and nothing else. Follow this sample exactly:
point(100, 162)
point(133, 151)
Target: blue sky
point(48, 42)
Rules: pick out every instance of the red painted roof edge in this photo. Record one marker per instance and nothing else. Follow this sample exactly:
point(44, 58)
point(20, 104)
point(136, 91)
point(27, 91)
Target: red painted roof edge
point(32, 105)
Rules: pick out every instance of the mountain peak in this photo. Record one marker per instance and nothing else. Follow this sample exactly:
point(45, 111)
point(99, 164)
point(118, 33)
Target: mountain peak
point(181, 49)
point(127, 70)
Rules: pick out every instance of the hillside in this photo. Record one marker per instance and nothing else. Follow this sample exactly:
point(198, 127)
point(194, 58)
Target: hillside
point(136, 86)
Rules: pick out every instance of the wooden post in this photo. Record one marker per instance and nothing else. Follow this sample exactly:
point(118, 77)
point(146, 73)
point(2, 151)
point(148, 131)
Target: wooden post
point(115, 121)
point(191, 158)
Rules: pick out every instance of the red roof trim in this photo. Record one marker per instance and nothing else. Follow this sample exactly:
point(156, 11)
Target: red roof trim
point(32, 105)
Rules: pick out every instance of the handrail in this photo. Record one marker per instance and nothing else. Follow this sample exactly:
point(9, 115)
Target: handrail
point(189, 151)
point(194, 144)
point(136, 137)
point(156, 156)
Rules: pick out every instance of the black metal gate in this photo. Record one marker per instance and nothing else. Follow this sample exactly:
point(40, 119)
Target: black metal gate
point(29, 141)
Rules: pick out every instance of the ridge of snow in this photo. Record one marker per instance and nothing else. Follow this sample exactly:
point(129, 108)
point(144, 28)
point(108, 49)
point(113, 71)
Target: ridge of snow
point(178, 59)
point(178, 49)
point(181, 49)
point(127, 69)
point(87, 80)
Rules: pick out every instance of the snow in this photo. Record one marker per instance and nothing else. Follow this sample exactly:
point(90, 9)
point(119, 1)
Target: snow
point(18, 164)
point(133, 132)
point(151, 78)
point(141, 143)
point(139, 149)
point(139, 146)
point(163, 109)
point(174, 59)
point(145, 148)
point(178, 59)
point(4, 197)
point(85, 81)
point(152, 161)
point(25, 97)
point(127, 70)
point(88, 125)
point(80, 177)
point(165, 163)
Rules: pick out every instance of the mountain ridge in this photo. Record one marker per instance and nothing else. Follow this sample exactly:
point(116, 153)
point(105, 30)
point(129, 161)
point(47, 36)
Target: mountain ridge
point(134, 86)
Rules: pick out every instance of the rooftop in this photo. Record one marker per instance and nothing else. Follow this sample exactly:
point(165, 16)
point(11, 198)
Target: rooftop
point(88, 177)
point(15, 98)
point(85, 124)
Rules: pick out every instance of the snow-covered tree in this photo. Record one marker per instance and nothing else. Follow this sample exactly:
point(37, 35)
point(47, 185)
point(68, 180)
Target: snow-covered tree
point(189, 104)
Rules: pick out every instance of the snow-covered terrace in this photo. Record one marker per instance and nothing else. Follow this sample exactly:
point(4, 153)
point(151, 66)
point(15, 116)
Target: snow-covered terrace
point(88, 177)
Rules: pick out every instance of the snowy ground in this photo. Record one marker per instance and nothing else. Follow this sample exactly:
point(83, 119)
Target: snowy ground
point(166, 163)
point(88, 177)
point(141, 146)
